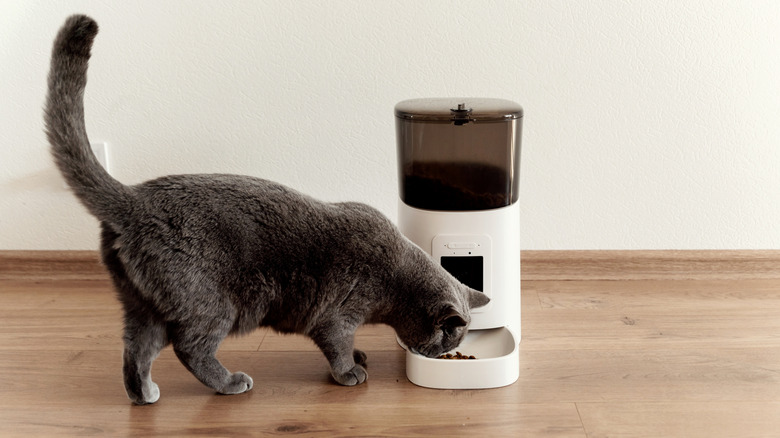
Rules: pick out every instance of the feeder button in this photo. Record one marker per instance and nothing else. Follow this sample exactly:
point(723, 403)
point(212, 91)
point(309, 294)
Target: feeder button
point(461, 245)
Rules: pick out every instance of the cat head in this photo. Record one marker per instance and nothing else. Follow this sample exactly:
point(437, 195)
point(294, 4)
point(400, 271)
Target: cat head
point(445, 327)
point(436, 310)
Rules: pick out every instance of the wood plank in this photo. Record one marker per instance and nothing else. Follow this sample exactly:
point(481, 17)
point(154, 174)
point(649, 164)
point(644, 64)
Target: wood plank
point(658, 294)
point(74, 394)
point(248, 416)
point(368, 337)
point(536, 265)
point(679, 419)
point(64, 265)
point(66, 314)
point(657, 314)
point(290, 382)
point(650, 330)
point(253, 418)
point(643, 264)
point(695, 375)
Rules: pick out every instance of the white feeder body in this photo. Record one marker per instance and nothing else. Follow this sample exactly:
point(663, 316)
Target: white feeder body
point(459, 162)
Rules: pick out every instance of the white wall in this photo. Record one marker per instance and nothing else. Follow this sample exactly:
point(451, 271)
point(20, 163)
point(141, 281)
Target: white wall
point(647, 125)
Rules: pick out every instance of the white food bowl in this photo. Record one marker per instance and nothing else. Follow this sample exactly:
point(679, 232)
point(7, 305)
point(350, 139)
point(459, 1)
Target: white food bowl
point(497, 363)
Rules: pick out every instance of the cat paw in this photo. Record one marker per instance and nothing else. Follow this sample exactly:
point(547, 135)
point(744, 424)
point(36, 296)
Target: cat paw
point(149, 395)
point(355, 376)
point(360, 357)
point(239, 382)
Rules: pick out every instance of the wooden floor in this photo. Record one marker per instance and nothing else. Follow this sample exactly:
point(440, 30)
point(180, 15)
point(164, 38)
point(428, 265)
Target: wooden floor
point(653, 357)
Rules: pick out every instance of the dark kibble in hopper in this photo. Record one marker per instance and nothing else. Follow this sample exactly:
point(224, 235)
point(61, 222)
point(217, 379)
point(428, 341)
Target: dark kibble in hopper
point(455, 186)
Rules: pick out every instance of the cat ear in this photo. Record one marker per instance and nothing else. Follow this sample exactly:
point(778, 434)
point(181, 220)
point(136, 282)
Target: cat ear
point(477, 298)
point(449, 317)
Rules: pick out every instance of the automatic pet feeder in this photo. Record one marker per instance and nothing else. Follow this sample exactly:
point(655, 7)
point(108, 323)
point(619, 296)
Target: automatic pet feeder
point(459, 164)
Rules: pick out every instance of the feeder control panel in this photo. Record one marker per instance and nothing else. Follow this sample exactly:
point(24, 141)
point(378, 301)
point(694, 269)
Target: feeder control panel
point(467, 258)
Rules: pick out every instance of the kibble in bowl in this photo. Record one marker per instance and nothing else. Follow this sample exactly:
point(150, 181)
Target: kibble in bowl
point(457, 356)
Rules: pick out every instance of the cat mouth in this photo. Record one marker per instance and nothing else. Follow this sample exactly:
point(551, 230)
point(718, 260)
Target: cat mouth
point(430, 354)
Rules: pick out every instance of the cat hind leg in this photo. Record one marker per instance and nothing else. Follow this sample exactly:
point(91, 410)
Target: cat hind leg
point(144, 334)
point(143, 342)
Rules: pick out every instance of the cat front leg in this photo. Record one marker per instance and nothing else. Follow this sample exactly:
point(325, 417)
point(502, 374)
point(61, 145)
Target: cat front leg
point(197, 351)
point(347, 364)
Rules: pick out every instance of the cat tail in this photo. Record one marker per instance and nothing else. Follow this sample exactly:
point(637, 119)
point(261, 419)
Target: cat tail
point(106, 198)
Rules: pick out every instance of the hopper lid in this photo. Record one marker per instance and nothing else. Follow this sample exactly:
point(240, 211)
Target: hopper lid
point(458, 109)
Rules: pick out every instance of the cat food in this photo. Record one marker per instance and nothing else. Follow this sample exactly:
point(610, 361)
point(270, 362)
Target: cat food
point(456, 186)
point(457, 356)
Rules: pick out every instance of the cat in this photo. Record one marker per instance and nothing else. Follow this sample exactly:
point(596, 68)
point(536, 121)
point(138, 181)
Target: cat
point(195, 258)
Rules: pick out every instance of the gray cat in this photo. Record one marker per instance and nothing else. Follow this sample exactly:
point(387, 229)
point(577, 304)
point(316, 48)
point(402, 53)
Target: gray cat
point(195, 258)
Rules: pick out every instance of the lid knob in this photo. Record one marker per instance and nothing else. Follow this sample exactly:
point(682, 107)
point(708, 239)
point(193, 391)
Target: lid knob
point(460, 115)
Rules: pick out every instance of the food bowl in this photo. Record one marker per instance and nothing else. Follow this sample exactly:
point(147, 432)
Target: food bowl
point(497, 363)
